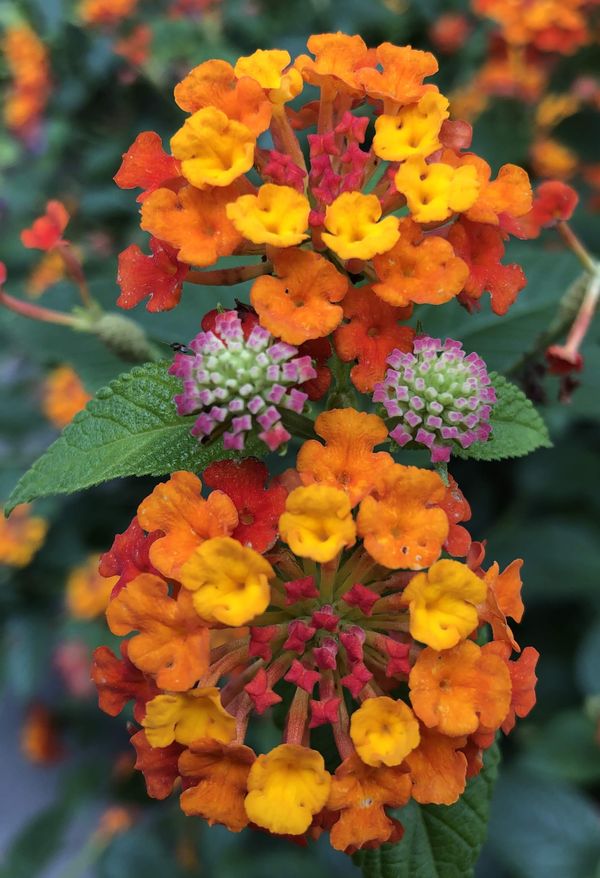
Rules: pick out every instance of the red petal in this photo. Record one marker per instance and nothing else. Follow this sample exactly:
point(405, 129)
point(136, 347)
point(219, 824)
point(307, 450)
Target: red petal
point(259, 508)
point(146, 165)
point(159, 276)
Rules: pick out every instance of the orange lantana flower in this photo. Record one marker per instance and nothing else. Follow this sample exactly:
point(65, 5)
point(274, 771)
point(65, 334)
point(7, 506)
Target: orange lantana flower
point(194, 222)
point(219, 774)
point(178, 510)
point(21, 536)
point(419, 269)
point(509, 193)
point(214, 84)
point(338, 60)
point(370, 335)
point(63, 395)
point(401, 79)
point(173, 643)
point(399, 523)
point(87, 592)
point(460, 689)
point(298, 304)
point(360, 793)
point(523, 679)
point(347, 460)
point(503, 599)
point(438, 769)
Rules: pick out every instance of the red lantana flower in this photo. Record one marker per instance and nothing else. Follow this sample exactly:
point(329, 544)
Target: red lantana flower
point(129, 555)
point(159, 277)
point(258, 507)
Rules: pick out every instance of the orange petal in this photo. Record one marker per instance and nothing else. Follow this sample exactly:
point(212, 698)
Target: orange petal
point(347, 460)
point(297, 305)
point(418, 269)
point(437, 768)
point(371, 334)
point(173, 643)
point(360, 792)
point(194, 222)
point(399, 523)
point(219, 774)
point(460, 689)
point(177, 508)
point(214, 84)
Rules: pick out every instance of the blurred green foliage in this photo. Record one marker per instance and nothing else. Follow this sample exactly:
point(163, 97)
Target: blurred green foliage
point(545, 509)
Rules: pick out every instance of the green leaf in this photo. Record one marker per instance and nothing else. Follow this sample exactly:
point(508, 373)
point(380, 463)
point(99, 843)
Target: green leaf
point(517, 428)
point(440, 841)
point(131, 428)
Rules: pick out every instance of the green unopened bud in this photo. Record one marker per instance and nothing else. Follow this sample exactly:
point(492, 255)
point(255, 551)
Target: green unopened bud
point(125, 338)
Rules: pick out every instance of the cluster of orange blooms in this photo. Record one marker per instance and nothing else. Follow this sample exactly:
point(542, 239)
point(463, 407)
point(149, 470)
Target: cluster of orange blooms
point(530, 38)
point(414, 213)
point(333, 594)
point(345, 593)
point(27, 61)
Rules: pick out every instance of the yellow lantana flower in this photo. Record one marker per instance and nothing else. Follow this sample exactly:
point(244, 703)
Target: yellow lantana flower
point(435, 191)
point(186, 717)
point(266, 66)
point(276, 215)
point(213, 149)
point(442, 603)
point(286, 787)
point(384, 731)
point(413, 131)
point(230, 582)
point(317, 522)
point(354, 230)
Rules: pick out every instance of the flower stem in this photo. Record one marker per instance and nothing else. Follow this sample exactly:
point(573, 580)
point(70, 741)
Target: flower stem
point(37, 312)
point(229, 276)
point(578, 248)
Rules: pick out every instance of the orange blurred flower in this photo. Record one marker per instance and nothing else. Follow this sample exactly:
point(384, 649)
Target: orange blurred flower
point(21, 535)
point(87, 592)
point(63, 395)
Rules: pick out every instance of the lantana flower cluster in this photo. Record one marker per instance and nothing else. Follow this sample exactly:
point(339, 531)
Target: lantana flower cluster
point(372, 187)
point(344, 213)
point(347, 597)
point(343, 596)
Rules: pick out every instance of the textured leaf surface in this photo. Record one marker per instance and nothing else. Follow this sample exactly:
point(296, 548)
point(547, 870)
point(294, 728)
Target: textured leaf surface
point(439, 841)
point(130, 428)
point(518, 428)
